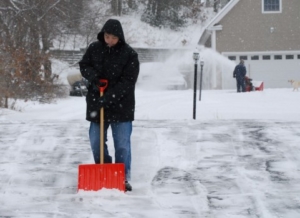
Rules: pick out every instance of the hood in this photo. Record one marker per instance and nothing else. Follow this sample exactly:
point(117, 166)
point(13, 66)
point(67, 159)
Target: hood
point(114, 27)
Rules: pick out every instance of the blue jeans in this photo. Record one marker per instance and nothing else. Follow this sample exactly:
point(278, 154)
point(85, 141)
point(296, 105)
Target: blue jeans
point(240, 84)
point(121, 133)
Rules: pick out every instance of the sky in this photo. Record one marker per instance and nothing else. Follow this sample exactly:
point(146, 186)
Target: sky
point(238, 159)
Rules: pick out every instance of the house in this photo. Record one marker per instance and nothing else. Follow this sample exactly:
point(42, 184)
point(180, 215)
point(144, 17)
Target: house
point(265, 33)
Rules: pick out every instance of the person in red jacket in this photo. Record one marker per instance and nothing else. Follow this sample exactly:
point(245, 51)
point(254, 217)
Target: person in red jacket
point(111, 58)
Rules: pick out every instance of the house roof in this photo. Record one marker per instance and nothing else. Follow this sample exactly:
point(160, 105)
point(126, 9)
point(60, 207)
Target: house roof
point(213, 24)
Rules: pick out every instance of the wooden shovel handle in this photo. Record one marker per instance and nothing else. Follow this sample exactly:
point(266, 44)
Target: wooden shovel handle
point(103, 85)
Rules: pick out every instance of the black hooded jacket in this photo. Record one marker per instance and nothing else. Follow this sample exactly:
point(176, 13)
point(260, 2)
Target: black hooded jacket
point(120, 66)
point(239, 72)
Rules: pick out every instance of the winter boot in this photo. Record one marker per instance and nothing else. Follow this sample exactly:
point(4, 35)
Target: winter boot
point(128, 187)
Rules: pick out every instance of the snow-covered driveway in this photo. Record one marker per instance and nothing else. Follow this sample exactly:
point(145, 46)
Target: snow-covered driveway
point(181, 169)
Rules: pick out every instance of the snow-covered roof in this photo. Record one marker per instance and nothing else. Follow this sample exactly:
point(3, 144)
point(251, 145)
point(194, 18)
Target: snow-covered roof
point(212, 25)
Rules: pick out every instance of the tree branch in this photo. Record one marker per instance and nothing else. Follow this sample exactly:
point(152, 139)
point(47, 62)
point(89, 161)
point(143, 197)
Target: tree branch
point(51, 7)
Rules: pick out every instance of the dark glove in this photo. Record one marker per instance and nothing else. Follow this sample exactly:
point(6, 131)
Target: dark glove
point(94, 83)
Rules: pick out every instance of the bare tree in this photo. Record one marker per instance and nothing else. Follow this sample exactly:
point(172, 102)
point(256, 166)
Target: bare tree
point(27, 28)
point(19, 78)
point(171, 13)
point(116, 7)
point(94, 16)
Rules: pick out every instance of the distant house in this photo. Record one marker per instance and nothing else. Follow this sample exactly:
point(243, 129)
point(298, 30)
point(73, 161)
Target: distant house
point(265, 33)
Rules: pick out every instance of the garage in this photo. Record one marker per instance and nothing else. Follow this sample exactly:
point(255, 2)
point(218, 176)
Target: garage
point(273, 68)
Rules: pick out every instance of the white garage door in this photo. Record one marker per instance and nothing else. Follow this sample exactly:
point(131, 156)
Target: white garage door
point(274, 69)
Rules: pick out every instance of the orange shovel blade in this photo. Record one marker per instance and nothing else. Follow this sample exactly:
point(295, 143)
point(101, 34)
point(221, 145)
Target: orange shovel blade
point(93, 177)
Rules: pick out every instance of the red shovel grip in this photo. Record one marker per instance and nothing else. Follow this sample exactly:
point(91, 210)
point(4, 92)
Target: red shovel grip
point(103, 85)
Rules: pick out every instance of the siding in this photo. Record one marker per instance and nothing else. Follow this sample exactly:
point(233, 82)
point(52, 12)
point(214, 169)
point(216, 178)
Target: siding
point(246, 28)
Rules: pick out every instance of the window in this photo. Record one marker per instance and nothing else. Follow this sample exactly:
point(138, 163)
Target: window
point(233, 58)
point(244, 57)
point(277, 57)
point(269, 6)
point(289, 57)
point(266, 57)
point(298, 56)
point(255, 57)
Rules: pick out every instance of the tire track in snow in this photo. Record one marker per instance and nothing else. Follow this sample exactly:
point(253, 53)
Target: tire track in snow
point(42, 164)
point(172, 182)
point(227, 157)
point(145, 156)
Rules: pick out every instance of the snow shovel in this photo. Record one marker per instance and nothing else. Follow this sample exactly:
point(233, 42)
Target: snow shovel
point(93, 177)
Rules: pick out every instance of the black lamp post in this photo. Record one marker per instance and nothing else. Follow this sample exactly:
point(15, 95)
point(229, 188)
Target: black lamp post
point(201, 73)
point(196, 58)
